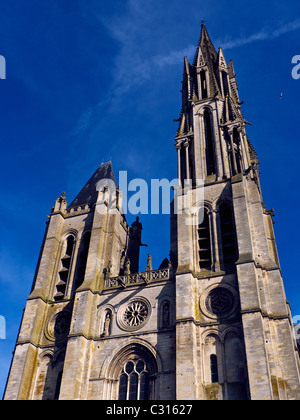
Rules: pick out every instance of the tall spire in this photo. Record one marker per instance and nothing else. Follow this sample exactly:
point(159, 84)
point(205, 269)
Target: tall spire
point(210, 100)
point(205, 46)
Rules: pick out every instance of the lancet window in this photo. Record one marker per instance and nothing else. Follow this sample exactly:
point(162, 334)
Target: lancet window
point(134, 381)
point(209, 149)
point(204, 92)
point(228, 234)
point(82, 259)
point(204, 243)
point(65, 267)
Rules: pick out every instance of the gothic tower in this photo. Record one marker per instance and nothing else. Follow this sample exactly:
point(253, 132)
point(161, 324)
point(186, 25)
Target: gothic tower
point(211, 323)
point(94, 327)
point(233, 326)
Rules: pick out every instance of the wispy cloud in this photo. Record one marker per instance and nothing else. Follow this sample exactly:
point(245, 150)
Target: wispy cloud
point(174, 57)
point(135, 63)
point(261, 35)
point(133, 68)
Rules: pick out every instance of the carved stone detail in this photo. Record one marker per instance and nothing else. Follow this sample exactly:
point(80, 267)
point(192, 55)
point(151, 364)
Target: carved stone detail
point(134, 315)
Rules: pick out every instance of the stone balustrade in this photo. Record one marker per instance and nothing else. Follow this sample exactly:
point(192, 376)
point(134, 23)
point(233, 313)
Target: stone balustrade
point(137, 278)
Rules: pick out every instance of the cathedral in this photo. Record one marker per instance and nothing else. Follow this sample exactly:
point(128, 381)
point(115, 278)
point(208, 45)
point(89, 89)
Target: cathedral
point(211, 323)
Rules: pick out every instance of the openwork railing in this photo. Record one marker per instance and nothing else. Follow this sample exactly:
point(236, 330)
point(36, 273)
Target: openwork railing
point(138, 278)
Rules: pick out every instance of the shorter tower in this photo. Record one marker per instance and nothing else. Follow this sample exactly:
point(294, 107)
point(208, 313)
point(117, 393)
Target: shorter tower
point(94, 327)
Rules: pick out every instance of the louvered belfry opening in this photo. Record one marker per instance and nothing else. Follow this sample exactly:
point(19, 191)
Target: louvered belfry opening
point(204, 243)
point(65, 269)
point(230, 254)
point(82, 259)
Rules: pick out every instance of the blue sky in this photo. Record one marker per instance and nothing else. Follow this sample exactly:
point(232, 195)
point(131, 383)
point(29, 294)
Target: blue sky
point(90, 81)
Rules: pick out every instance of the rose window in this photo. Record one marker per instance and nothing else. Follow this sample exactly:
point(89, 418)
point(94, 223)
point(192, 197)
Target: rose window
point(135, 314)
point(219, 301)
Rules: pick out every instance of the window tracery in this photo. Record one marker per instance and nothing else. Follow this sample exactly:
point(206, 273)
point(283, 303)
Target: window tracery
point(134, 381)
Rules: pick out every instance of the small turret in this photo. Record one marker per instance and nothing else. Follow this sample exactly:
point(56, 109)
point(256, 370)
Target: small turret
point(61, 203)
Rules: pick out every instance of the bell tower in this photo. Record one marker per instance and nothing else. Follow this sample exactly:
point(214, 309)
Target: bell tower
point(212, 323)
point(233, 326)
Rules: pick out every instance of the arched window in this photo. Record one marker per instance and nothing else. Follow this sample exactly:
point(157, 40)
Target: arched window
point(204, 243)
point(214, 368)
point(203, 84)
point(182, 164)
point(230, 253)
point(209, 149)
point(134, 381)
point(65, 266)
point(131, 373)
point(70, 245)
point(82, 259)
point(186, 164)
point(236, 145)
point(212, 357)
point(234, 151)
point(49, 378)
point(225, 83)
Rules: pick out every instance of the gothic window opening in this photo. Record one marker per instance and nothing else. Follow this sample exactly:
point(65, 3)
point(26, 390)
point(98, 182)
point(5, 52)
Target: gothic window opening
point(212, 359)
point(214, 368)
point(65, 267)
point(232, 163)
point(230, 254)
point(134, 381)
point(225, 83)
point(70, 245)
point(203, 84)
point(48, 383)
point(82, 259)
point(209, 150)
point(204, 243)
point(191, 162)
point(182, 165)
point(236, 145)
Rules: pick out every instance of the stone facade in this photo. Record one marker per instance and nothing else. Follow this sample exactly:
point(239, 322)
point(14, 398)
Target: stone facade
point(210, 324)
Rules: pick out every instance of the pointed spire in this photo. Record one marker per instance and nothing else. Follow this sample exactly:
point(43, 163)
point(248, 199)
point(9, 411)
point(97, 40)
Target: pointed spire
point(186, 82)
point(201, 62)
point(205, 41)
point(221, 59)
point(233, 83)
point(206, 57)
point(205, 47)
point(230, 111)
point(186, 66)
point(231, 71)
